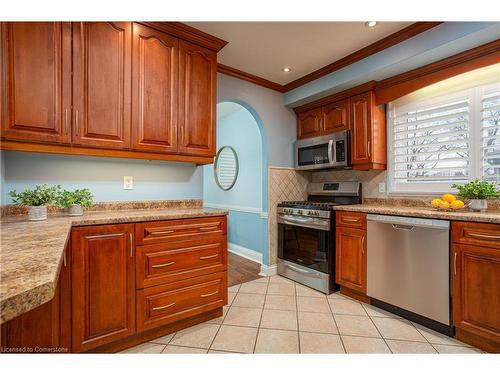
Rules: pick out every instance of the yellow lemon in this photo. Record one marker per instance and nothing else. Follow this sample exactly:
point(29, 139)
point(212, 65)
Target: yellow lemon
point(448, 198)
point(435, 202)
point(444, 205)
point(457, 204)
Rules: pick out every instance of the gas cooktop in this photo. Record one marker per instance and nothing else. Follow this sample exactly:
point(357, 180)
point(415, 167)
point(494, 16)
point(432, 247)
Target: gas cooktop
point(308, 205)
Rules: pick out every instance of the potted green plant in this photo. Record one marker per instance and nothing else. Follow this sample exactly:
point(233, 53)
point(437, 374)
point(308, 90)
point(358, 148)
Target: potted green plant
point(75, 201)
point(477, 192)
point(36, 199)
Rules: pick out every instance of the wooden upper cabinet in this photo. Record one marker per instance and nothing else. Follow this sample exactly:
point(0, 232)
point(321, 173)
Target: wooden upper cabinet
point(309, 123)
point(103, 285)
point(368, 138)
point(154, 90)
point(35, 79)
point(335, 117)
point(197, 99)
point(101, 84)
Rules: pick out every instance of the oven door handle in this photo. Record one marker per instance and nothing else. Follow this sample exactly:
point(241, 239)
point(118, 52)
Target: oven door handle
point(296, 220)
point(331, 145)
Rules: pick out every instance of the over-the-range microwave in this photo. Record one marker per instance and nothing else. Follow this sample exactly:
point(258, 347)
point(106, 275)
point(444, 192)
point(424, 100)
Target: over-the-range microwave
point(328, 151)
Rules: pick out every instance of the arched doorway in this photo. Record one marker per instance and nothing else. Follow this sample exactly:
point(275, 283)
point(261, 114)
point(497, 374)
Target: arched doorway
point(239, 126)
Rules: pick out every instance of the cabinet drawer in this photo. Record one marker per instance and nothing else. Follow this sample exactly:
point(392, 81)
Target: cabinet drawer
point(351, 219)
point(479, 234)
point(169, 303)
point(179, 230)
point(167, 262)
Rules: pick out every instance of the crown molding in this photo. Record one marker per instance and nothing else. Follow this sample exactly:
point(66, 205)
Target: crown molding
point(389, 41)
point(236, 73)
point(189, 33)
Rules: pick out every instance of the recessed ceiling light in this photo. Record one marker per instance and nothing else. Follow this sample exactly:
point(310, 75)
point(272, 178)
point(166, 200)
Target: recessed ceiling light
point(370, 23)
point(286, 69)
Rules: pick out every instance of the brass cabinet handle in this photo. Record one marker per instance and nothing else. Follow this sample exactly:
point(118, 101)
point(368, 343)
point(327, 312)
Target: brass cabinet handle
point(66, 120)
point(363, 245)
point(455, 263)
point(484, 236)
point(162, 265)
point(208, 228)
point(350, 220)
point(209, 256)
point(163, 307)
point(76, 122)
point(209, 294)
point(131, 245)
point(64, 258)
point(162, 232)
point(369, 152)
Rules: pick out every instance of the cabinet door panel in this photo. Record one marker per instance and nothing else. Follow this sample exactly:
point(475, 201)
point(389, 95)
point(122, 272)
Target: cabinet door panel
point(103, 286)
point(335, 117)
point(197, 80)
point(35, 78)
point(154, 90)
point(476, 290)
point(101, 84)
point(351, 258)
point(361, 127)
point(309, 124)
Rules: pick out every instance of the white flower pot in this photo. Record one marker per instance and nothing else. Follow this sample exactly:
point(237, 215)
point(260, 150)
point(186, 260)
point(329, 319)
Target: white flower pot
point(478, 204)
point(75, 210)
point(37, 213)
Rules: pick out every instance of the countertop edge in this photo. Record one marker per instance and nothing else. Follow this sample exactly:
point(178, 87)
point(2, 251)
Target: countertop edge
point(32, 298)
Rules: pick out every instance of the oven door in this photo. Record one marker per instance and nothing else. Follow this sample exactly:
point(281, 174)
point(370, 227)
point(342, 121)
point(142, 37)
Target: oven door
point(305, 243)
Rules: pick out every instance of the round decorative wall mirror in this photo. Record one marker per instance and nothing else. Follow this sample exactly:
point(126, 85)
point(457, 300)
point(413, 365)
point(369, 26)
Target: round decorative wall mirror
point(226, 167)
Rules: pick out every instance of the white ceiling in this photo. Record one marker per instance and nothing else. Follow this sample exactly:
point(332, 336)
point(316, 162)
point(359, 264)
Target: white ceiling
point(264, 48)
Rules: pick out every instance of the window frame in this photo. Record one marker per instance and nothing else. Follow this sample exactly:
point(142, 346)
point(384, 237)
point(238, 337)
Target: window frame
point(418, 99)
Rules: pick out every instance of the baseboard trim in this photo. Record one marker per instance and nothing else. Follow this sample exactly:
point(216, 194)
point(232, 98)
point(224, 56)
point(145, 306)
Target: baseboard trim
point(245, 252)
point(268, 270)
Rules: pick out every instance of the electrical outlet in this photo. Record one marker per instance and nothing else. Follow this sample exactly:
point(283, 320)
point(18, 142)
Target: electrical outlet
point(381, 187)
point(128, 182)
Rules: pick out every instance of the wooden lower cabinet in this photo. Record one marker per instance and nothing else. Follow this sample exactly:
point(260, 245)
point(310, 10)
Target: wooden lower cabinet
point(476, 285)
point(103, 285)
point(350, 267)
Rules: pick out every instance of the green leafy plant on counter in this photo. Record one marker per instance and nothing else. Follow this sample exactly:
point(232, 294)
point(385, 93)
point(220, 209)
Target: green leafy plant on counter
point(82, 197)
point(477, 189)
point(39, 196)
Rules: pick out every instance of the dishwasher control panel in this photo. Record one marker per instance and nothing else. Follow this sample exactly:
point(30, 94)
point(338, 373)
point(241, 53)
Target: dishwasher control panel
point(415, 221)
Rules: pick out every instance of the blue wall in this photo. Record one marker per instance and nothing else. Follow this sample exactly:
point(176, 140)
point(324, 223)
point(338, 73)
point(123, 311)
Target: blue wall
point(153, 180)
point(240, 130)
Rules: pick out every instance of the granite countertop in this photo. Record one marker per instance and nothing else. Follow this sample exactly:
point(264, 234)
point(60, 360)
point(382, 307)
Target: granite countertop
point(462, 215)
point(31, 253)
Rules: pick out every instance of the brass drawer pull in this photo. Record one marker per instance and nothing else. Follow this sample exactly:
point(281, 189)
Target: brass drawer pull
point(162, 232)
point(209, 256)
point(162, 265)
point(485, 236)
point(209, 294)
point(163, 307)
point(208, 228)
point(350, 220)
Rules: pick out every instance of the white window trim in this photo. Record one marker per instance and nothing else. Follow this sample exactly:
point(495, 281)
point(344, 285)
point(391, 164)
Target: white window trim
point(474, 94)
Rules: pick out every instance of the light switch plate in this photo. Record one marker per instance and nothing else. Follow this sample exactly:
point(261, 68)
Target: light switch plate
point(381, 187)
point(128, 182)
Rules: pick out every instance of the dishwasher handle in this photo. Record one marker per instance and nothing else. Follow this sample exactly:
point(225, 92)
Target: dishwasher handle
point(404, 222)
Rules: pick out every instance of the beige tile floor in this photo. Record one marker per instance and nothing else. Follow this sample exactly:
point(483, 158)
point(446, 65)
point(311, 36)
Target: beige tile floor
point(277, 315)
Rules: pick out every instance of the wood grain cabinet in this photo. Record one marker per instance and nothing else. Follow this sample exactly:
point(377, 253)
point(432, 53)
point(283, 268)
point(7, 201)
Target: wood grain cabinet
point(35, 81)
point(155, 69)
point(103, 285)
point(351, 248)
point(368, 137)
point(476, 284)
point(197, 99)
point(335, 117)
point(309, 124)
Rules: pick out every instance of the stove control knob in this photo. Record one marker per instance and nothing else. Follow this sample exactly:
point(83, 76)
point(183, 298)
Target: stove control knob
point(300, 212)
point(312, 213)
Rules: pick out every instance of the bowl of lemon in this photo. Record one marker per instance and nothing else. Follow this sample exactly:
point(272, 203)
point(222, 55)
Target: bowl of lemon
point(448, 202)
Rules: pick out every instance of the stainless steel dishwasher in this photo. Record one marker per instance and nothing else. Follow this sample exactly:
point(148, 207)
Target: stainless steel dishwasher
point(409, 268)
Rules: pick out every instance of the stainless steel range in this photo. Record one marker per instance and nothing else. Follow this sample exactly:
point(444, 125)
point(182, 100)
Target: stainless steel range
point(306, 234)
